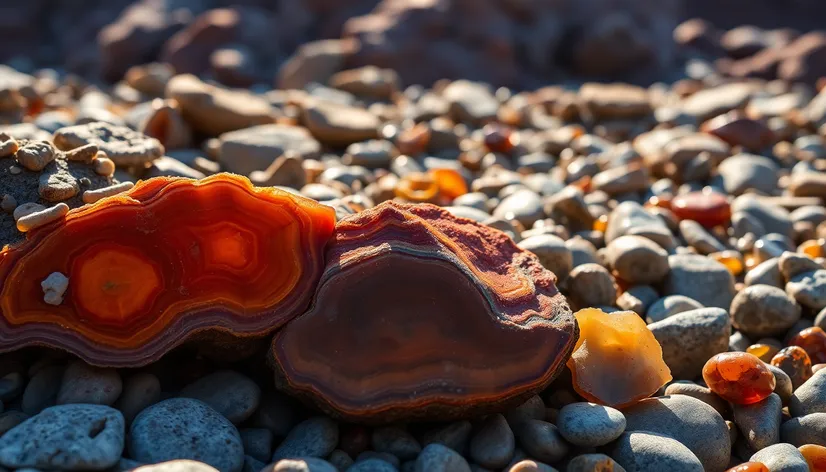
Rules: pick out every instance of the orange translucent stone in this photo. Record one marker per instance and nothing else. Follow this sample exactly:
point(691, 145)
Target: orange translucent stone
point(795, 362)
point(813, 341)
point(601, 223)
point(499, 138)
point(815, 456)
point(707, 208)
point(415, 140)
point(764, 352)
point(450, 182)
point(749, 467)
point(617, 360)
point(813, 248)
point(662, 201)
point(417, 187)
point(739, 377)
point(731, 259)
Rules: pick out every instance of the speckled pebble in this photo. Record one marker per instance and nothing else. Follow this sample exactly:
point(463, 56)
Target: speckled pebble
point(782, 457)
point(396, 441)
point(438, 458)
point(669, 306)
point(759, 422)
point(810, 397)
point(762, 310)
point(83, 383)
point(493, 443)
point(139, 391)
point(590, 425)
point(808, 429)
point(230, 393)
point(541, 440)
point(690, 338)
point(552, 253)
point(809, 289)
point(372, 465)
point(184, 428)
point(648, 452)
point(700, 278)
point(314, 437)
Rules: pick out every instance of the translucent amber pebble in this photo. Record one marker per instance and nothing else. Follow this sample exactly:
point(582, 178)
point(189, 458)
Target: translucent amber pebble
point(813, 248)
point(764, 352)
point(417, 187)
point(739, 377)
point(815, 455)
point(794, 361)
point(813, 341)
point(450, 182)
point(601, 223)
point(707, 208)
point(499, 138)
point(731, 259)
point(616, 361)
point(749, 467)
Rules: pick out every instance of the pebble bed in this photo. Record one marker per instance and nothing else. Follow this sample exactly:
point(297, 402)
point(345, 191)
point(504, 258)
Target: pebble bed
point(697, 205)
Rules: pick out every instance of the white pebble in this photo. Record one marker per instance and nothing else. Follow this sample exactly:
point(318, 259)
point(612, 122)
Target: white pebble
point(54, 286)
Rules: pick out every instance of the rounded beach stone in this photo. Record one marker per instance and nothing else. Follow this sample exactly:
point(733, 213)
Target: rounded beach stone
point(704, 394)
point(524, 206)
point(669, 306)
point(372, 465)
point(809, 429)
point(185, 428)
point(762, 310)
point(759, 422)
point(593, 463)
point(783, 383)
point(766, 273)
point(314, 437)
point(455, 435)
point(182, 465)
point(699, 238)
point(690, 338)
point(66, 437)
point(257, 443)
point(382, 456)
point(637, 260)
point(774, 218)
point(541, 440)
point(700, 278)
point(591, 285)
point(493, 444)
point(782, 457)
point(809, 289)
point(230, 393)
point(644, 451)
point(302, 464)
point(810, 397)
point(41, 391)
point(552, 253)
point(439, 458)
point(83, 383)
point(590, 425)
point(396, 441)
point(690, 421)
point(139, 391)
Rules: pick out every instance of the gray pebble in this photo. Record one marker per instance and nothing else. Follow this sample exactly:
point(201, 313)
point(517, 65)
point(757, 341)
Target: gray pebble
point(638, 299)
point(590, 425)
point(762, 310)
point(704, 394)
point(582, 250)
point(809, 289)
point(593, 463)
point(782, 457)
point(524, 206)
point(759, 422)
point(810, 397)
point(438, 458)
point(340, 459)
point(630, 218)
point(314, 437)
point(783, 383)
point(689, 339)
point(383, 456)
point(493, 444)
point(669, 306)
point(278, 413)
point(637, 260)
point(552, 253)
point(396, 441)
point(820, 319)
point(690, 421)
point(700, 278)
point(230, 393)
point(83, 383)
point(744, 171)
point(792, 263)
point(300, 464)
point(372, 465)
point(455, 435)
point(641, 451)
point(66, 437)
point(184, 428)
point(257, 443)
point(737, 342)
point(532, 409)
point(766, 273)
point(541, 440)
point(591, 285)
point(41, 391)
point(697, 237)
point(809, 429)
point(139, 391)
point(772, 217)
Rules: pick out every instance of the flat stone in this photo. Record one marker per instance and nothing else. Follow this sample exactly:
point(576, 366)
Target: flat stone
point(184, 428)
point(257, 147)
point(669, 306)
point(590, 425)
point(67, 437)
point(644, 451)
point(230, 393)
point(41, 391)
point(315, 437)
point(302, 464)
point(339, 125)
point(704, 394)
point(524, 206)
point(773, 218)
point(700, 278)
point(692, 422)
point(593, 463)
point(810, 397)
point(470, 102)
point(744, 171)
point(766, 273)
point(139, 391)
point(372, 465)
point(759, 423)
point(699, 238)
point(690, 338)
point(83, 383)
point(455, 435)
point(552, 252)
point(809, 289)
point(125, 146)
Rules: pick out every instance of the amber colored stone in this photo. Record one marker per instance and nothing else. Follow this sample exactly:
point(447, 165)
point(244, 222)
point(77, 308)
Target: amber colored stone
point(707, 208)
point(499, 138)
point(813, 248)
point(661, 201)
point(733, 261)
point(739, 377)
point(764, 352)
point(795, 362)
point(617, 360)
point(423, 315)
point(414, 141)
point(738, 130)
point(600, 224)
point(749, 467)
point(813, 341)
point(450, 182)
point(815, 456)
point(151, 267)
point(417, 187)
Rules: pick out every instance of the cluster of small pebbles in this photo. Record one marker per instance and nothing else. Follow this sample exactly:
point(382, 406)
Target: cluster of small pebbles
point(698, 205)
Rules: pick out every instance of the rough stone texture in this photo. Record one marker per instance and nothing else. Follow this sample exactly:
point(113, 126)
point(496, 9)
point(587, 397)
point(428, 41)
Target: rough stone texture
point(782, 457)
point(644, 451)
point(690, 338)
point(700, 278)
